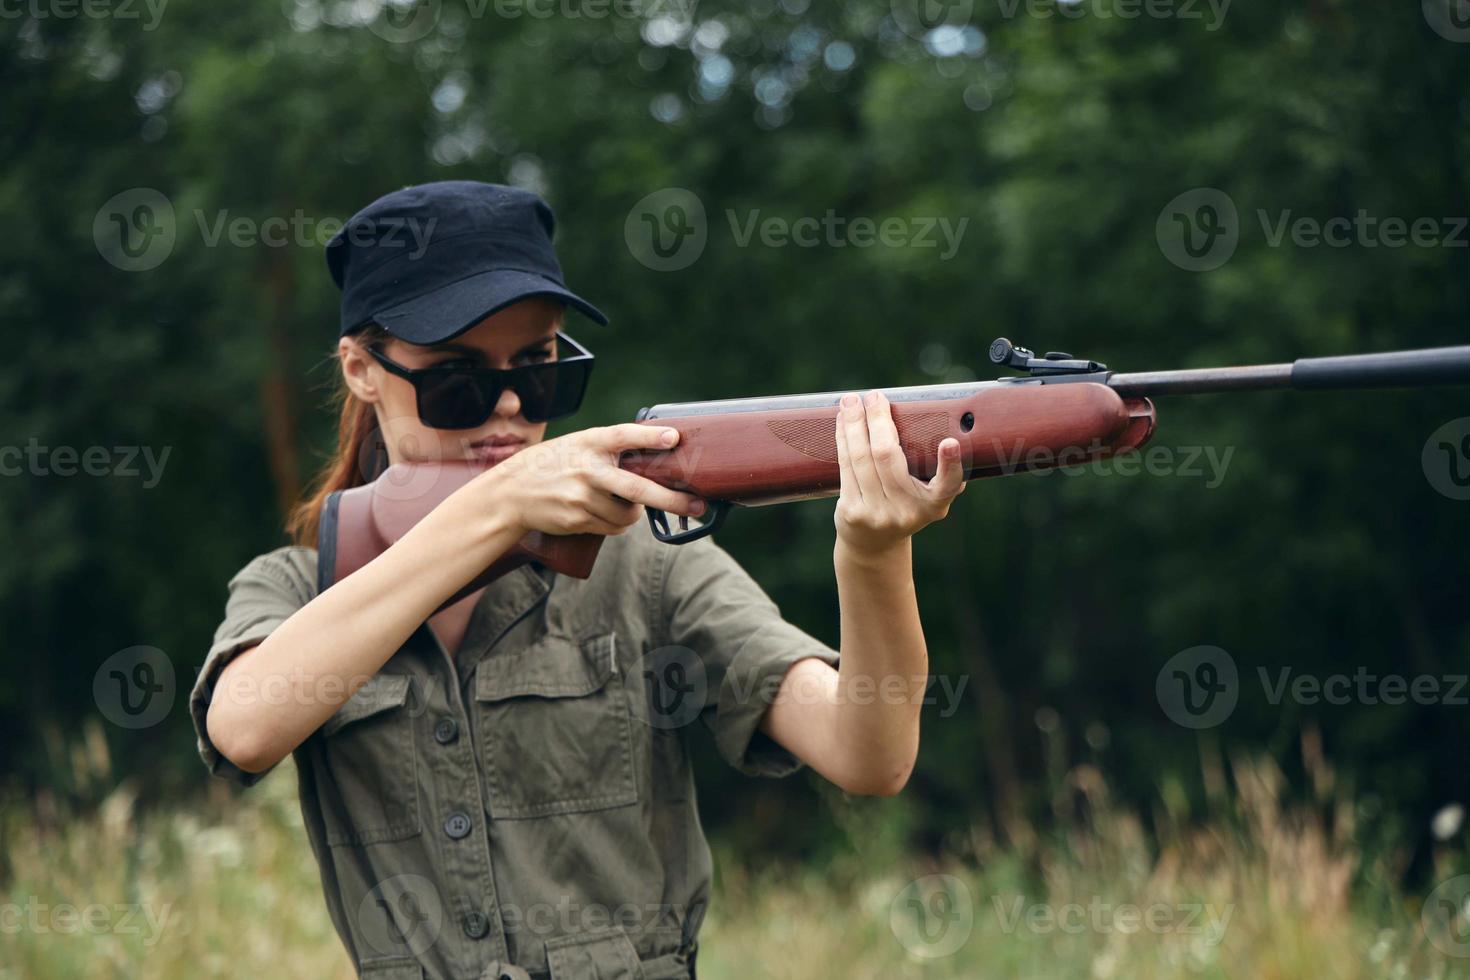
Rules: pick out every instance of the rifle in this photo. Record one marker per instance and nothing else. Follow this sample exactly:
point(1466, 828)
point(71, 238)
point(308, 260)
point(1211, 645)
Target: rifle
point(751, 452)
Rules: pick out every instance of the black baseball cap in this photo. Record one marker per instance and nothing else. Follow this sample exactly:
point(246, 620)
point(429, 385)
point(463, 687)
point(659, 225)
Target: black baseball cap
point(430, 261)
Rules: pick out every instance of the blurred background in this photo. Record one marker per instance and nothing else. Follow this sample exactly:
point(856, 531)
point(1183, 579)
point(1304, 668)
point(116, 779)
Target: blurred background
point(767, 198)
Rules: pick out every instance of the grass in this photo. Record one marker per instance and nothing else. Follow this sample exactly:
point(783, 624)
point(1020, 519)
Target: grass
point(229, 888)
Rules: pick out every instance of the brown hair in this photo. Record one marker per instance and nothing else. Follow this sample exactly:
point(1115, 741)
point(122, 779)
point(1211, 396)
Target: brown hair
point(359, 452)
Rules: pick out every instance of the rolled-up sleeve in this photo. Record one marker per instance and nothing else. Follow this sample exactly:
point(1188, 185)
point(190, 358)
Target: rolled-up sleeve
point(262, 596)
point(711, 606)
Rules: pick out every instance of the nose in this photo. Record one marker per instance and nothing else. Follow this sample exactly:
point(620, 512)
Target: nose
point(509, 404)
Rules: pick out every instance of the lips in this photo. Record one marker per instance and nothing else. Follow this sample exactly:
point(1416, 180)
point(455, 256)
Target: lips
point(496, 448)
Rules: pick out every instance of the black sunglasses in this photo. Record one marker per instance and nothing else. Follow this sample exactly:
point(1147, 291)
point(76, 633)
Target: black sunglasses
point(462, 398)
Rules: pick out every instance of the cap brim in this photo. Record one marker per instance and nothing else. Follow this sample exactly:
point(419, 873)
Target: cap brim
point(451, 310)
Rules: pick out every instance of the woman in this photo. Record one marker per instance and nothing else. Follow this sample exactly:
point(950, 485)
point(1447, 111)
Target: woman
point(493, 790)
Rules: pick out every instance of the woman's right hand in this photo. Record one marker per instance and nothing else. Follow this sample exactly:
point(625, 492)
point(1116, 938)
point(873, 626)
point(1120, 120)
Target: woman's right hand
point(573, 484)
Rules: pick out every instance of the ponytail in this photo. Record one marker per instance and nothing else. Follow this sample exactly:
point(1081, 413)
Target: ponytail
point(359, 457)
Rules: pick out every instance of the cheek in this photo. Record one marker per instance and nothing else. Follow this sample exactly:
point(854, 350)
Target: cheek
point(408, 439)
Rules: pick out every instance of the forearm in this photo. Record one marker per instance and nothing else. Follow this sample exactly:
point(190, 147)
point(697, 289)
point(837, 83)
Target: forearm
point(884, 665)
point(270, 698)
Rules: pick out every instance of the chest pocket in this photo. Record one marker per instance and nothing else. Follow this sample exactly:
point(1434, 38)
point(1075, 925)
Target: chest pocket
point(370, 786)
point(555, 728)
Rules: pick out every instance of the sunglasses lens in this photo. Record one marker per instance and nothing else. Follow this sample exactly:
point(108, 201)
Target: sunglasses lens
point(455, 400)
point(552, 391)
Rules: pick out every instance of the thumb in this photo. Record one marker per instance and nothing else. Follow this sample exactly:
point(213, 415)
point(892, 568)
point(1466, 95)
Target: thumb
point(949, 475)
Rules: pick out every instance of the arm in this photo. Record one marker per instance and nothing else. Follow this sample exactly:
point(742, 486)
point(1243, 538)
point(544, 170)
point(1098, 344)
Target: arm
point(858, 725)
point(272, 696)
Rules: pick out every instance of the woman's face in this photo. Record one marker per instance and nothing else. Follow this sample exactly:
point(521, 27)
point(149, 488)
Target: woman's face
point(523, 333)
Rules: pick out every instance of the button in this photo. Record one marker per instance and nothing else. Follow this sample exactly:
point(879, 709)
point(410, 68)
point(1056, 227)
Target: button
point(476, 926)
point(458, 825)
point(446, 731)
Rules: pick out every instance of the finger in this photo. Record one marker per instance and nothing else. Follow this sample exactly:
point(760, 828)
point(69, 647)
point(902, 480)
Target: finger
point(633, 435)
point(860, 451)
point(949, 475)
point(603, 508)
point(848, 488)
point(640, 489)
point(888, 457)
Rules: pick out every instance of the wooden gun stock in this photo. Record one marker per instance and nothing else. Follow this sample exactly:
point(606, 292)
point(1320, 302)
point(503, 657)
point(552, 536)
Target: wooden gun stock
point(359, 524)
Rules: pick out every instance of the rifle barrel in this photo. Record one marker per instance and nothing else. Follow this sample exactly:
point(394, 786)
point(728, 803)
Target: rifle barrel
point(1394, 369)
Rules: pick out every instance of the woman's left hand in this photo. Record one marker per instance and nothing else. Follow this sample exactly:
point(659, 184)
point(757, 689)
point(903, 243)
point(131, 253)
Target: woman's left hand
point(881, 503)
